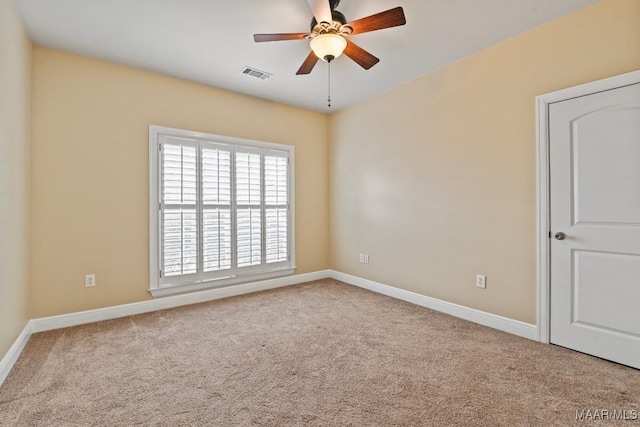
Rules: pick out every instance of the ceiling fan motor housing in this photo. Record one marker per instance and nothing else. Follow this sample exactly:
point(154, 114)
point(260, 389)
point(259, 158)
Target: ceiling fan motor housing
point(337, 17)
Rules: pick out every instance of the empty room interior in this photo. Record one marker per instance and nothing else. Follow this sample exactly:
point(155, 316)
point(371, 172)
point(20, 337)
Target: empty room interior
point(319, 212)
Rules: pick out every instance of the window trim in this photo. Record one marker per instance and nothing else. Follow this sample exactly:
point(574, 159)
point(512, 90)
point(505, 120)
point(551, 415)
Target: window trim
point(155, 287)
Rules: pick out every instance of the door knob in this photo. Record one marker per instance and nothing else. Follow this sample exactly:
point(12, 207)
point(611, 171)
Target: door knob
point(559, 235)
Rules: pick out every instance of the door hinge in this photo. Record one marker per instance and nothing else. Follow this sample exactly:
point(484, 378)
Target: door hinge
point(160, 206)
point(161, 274)
point(159, 147)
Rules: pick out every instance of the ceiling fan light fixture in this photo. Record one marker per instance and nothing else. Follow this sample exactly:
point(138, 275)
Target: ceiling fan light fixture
point(328, 46)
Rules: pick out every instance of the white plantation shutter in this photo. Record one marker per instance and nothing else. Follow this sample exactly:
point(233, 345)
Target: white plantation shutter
point(276, 175)
point(216, 207)
point(216, 225)
point(179, 198)
point(248, 207)
point(179, 242)
point(249, 240)
point(248, 177)
point(224, 210)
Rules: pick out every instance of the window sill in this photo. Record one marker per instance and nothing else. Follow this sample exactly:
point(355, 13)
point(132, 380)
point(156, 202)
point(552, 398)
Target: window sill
point(219, 283)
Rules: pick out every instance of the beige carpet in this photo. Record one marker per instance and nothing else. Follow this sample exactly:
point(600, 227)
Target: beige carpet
point(318, 354)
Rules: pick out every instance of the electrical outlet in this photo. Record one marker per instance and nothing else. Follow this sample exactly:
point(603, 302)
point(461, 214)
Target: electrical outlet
point(361, 258)
point(481, 281)
point(366, 259)
point(89, 280)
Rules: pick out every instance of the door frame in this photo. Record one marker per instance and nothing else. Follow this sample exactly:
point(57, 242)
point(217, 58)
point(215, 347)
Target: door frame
point(543, 261)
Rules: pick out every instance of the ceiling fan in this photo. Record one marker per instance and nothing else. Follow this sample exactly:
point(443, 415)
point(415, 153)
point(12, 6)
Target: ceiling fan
point(330, 31)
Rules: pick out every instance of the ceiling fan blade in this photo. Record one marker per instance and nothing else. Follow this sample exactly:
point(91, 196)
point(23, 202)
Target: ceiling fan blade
point(278, 37)
point(308, 64)
point(321, 10)
point(390, 18)
point(361, 56)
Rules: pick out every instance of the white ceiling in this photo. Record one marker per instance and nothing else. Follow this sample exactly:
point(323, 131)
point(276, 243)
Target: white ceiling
point(210, 41)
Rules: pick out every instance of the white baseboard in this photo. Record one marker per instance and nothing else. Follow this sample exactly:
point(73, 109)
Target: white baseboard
point(505, 324)
point(501, 323)
point(9, 359)
point(515, 327)
point(108, 313)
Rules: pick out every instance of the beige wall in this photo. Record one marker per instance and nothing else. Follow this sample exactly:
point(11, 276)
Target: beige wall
point(435, 179)
point(15, 97)
point(90, 173)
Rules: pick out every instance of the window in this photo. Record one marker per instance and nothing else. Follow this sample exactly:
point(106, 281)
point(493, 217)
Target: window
point(221, 210)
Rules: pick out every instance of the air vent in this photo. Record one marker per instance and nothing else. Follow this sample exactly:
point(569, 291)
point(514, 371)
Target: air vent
point(262, 75)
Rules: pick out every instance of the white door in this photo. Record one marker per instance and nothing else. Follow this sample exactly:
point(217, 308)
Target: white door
point(594, 165)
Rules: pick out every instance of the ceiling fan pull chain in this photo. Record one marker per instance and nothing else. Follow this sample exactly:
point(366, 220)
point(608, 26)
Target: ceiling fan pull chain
point(329, 97)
